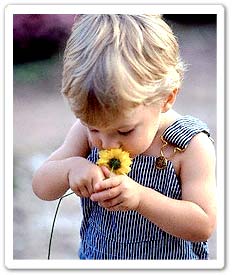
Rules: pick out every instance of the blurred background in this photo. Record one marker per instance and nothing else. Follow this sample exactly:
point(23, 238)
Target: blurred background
point(42, 119)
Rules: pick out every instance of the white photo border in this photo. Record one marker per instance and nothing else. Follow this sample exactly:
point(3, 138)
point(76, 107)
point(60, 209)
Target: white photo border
point(12, 9)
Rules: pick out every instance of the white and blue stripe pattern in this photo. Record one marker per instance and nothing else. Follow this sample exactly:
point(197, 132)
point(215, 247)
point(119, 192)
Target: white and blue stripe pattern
point(182, 131)
point(129, 235)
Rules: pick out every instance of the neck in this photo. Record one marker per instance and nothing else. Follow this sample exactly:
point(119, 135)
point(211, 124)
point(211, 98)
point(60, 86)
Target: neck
point(166, 120)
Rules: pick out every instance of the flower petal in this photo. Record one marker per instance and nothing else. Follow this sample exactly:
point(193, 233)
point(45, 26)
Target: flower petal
point(105, 156)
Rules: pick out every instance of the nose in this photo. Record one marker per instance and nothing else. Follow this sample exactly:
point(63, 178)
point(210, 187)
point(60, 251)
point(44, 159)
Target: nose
point(109, 143)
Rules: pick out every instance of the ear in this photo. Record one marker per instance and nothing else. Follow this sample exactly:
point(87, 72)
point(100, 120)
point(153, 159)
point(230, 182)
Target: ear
point(170, 100)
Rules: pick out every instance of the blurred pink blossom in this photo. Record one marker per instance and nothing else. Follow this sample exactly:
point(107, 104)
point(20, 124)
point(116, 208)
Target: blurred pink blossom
point(38, 36)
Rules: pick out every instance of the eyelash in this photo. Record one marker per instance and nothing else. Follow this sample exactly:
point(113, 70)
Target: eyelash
point(93, 130)
point(120, 133)
point(126, 133)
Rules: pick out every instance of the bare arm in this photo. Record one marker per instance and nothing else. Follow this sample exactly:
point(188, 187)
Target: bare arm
point(194, 216)
point(50, 181)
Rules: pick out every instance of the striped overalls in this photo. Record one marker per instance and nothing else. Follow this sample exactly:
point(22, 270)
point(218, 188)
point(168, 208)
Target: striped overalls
point(129, 235)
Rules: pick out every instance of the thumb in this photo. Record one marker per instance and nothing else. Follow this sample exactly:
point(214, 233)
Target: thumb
point(107, 173)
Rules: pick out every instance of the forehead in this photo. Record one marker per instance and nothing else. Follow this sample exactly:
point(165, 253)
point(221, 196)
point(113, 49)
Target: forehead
point(128, 118)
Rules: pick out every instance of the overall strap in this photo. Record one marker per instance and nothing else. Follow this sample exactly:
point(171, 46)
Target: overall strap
point(183, 130)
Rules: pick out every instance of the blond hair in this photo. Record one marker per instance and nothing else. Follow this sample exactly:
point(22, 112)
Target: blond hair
point(113, 61)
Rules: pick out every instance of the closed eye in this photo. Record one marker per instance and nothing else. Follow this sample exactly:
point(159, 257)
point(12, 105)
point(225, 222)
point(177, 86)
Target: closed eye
point(93, 130)
point(125, 133)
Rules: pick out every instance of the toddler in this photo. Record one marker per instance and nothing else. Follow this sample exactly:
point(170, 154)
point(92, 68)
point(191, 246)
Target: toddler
point(121, 77)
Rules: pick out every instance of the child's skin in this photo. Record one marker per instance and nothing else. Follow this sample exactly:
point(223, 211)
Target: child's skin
point(192, 218)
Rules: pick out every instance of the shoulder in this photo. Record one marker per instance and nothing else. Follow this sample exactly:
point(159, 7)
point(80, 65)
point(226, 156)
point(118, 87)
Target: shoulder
point(192, 137)
point(201, 145)
point(76, 143)
point(76, 132)
point(181, 132)
point(200, 148)
point(198, 161)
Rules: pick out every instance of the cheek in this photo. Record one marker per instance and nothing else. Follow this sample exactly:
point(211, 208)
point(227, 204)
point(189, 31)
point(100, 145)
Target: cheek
point(141, 142)
point(94, 140)
point(138, 144)
point(144, 142)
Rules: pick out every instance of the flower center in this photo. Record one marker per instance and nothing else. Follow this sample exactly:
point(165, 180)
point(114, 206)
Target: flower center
point(114, 163)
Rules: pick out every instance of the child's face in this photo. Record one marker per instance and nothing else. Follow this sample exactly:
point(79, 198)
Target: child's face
point(133, 133)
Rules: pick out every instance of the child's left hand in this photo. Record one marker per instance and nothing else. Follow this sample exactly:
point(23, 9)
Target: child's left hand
point(117, 192)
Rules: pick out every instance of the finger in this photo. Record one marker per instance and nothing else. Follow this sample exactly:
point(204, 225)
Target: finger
point(75, 189)
point(109, 204)
point(117, 207)
point(106, 194)
point(107, 173)
point(97, 177)
point(79, 193)
point(84, 191)
point(90, 188)
point(108, 183)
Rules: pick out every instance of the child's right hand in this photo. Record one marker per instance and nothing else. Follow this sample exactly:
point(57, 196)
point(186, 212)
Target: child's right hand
point(83, 175)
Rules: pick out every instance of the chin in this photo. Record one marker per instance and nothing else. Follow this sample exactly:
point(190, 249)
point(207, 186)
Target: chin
point(134, 154)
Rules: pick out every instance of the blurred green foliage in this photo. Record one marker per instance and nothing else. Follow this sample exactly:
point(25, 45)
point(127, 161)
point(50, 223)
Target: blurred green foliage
point(29, 73)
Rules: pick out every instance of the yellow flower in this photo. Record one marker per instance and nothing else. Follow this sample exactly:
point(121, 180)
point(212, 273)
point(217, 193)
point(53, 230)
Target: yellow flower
point(116, 160)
